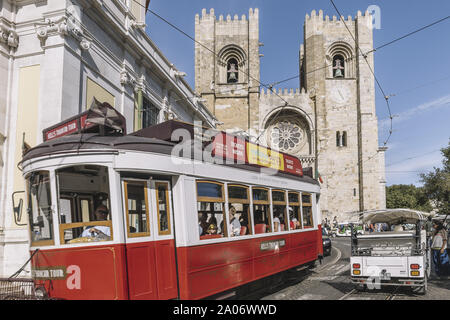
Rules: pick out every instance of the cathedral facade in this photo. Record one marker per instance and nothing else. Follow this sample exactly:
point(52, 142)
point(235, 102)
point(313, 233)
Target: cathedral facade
point(329, 122)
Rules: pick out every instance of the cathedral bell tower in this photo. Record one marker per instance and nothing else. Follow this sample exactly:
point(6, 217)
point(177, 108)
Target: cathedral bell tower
point(339, 78)
point(227, 67)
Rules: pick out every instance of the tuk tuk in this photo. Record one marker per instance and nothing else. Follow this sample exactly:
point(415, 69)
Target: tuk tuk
point(397, 257)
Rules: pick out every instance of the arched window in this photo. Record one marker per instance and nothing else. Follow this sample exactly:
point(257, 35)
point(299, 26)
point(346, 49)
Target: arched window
point(338, 66)
point(340, 58)
point(232, 62)
point(232, 71)
point(338, 139)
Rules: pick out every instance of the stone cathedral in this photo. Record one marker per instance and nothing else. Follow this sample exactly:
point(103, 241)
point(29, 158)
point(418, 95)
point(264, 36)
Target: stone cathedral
point(329, 122)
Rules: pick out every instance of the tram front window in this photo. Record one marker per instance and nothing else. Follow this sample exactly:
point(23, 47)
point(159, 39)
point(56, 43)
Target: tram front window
point(40, 208)
point(83, 194)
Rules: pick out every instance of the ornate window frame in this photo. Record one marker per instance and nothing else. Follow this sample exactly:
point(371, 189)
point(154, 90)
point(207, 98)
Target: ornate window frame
point(346, 51)
point(225, 55)
point(300, 118)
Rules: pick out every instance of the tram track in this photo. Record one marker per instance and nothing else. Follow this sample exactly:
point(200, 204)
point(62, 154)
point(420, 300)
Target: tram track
point(361, 295)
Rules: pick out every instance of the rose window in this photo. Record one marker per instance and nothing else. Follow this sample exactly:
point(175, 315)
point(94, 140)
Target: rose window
point(287, 135)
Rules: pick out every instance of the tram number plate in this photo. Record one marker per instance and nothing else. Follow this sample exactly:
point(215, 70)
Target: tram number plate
point(385, 276)
point(272, 245)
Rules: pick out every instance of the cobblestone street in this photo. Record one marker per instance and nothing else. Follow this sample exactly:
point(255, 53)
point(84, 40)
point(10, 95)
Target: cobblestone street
point(331, 281)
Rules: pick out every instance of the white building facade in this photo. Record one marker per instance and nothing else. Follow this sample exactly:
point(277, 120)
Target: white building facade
point(55, 57)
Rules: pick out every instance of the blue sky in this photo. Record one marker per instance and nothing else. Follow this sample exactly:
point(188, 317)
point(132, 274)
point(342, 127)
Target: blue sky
point(416, 70)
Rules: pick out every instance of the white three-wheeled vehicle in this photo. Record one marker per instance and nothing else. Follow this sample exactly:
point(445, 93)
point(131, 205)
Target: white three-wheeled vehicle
point(399, 256)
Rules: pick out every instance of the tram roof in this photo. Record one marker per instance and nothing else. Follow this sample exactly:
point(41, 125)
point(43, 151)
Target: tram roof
point(90, 142)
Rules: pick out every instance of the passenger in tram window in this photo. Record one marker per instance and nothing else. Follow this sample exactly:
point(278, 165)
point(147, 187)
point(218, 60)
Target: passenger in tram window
point(243, 220)
point(212, 229)
point(278, 218)
point(212, 220)
point(103, 232)
point(203, 223)
point(276, 223)
point(235, 225)
point(294, 224)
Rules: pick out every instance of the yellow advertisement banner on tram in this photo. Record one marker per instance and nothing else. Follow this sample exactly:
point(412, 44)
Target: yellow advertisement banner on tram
point(264, 157)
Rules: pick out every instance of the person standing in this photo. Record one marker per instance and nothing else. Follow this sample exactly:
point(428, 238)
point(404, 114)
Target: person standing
point(438, 249)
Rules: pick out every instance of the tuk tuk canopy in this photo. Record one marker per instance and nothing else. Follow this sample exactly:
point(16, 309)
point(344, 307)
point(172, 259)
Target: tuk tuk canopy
point(394, 216)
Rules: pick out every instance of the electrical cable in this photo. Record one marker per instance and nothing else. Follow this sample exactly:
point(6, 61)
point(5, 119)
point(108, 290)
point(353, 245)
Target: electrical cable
point(190, 37)
point(409, 34)
point(373, 50)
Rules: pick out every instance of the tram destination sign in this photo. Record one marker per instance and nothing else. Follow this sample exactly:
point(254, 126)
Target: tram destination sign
point(70, 126)
point(49, 273)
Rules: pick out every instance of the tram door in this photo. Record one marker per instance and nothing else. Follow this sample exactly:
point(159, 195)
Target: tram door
point(150, 245)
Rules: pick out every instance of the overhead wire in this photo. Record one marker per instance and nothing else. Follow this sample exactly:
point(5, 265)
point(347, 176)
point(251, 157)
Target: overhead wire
point(270, 86)
point(414, 157)
point(373, 50)
point(360, 161)
point(210, 50)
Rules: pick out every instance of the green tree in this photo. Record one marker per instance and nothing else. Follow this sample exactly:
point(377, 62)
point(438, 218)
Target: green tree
point(437, 184)
point(407, 196)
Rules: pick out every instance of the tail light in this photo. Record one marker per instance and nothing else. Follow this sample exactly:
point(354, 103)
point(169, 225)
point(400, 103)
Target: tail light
point(356, 266)
point(356, 272)
point(415, 266)
point(415, 273)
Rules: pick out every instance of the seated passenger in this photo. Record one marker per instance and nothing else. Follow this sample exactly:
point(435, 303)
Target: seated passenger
point(294, 224)
point(235, 225)
point(212, 229)
point(203, 217)
point(101, 214)
point(276, 224)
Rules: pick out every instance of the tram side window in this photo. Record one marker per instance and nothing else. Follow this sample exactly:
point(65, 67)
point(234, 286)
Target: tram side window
point(307, 211)
point(295, 216)
point(261, 210)
point(83, 197)
point(136, 208)
point(210, 208)
point(239, 210)
point(163, 206)
point(279, 211)
point(40, 208)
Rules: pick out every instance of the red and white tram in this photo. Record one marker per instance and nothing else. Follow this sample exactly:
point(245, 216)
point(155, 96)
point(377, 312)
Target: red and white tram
point(170, 231)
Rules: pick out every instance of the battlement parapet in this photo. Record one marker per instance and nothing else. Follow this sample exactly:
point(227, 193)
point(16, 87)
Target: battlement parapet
point(253, 14)
point(319, 17)
point(284, 92)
